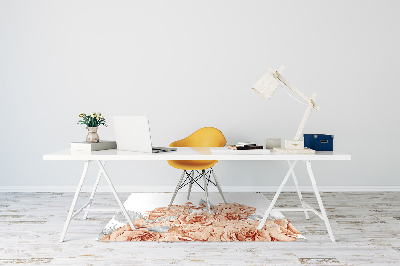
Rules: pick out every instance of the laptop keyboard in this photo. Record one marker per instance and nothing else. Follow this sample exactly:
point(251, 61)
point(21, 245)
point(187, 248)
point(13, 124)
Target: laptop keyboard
point(162, 149)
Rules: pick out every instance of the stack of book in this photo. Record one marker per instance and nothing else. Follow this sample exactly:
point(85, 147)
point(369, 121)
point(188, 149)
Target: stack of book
point(240, 148)
point(98, 146)
point(245, 146)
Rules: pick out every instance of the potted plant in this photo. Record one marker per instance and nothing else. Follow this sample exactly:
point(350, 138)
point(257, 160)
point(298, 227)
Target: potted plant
point(92, 123)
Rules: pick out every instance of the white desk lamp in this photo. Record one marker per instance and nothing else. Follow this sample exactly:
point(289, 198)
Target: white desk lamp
point(266, 86)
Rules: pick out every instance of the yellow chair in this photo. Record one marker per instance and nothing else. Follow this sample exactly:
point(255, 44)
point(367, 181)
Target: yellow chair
point(204, 137)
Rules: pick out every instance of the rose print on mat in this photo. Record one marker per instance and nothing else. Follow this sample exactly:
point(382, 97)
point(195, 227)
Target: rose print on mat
point(187, 222)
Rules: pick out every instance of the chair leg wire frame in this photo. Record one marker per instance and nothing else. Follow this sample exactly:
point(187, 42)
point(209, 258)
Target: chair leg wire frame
point(193, 176)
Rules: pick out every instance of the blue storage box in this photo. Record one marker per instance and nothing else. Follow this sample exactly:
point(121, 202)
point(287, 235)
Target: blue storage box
point(318, 142)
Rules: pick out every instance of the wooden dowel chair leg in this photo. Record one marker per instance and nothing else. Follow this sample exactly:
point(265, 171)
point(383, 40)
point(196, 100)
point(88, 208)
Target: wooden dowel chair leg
point(218, 186)
point(206, 190)
point(176, 189)
point(190, 184)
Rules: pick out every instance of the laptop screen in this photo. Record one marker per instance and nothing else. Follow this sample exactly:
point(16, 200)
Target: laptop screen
point(132, 133)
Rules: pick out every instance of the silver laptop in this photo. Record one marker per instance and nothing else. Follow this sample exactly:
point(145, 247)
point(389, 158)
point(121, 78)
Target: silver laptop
point(133, 134)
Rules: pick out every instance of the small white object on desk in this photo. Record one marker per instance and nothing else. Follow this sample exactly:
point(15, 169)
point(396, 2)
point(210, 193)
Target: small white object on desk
point(271, 143)
point(226, 150)
point(98, 146)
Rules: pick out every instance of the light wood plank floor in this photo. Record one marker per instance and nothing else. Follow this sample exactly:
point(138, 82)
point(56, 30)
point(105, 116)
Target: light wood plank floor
point(366, 226)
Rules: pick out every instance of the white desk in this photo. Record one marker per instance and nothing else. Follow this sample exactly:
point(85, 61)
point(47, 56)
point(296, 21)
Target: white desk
point(194, 154)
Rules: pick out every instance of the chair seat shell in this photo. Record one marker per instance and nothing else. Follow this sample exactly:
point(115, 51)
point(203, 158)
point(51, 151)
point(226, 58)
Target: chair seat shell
point(204, 137)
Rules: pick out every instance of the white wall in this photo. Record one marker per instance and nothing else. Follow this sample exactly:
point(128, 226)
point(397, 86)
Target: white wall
point(190, 64)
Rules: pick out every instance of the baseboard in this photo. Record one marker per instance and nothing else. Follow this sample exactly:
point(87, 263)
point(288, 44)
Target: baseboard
point(196, 189)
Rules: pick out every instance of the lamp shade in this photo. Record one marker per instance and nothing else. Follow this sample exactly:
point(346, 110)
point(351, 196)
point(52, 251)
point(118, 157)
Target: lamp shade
point(266, 86)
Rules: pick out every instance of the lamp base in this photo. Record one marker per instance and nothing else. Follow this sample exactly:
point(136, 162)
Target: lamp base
point(294, 144)
point(293, 151)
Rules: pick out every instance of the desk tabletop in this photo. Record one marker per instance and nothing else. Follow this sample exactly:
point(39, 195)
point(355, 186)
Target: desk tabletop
point(186, 153)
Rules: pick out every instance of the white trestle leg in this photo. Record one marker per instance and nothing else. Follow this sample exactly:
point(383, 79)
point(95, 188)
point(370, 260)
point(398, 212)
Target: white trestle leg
point(299, 192)
point(116, 195)
point(93, 192)
point(272, 204)
point(321, 205)
point(71, 210)
point(305, 207)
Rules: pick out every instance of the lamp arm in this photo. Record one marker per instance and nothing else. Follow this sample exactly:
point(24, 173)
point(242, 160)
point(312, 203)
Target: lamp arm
point(293, 88)
point(305, 117)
